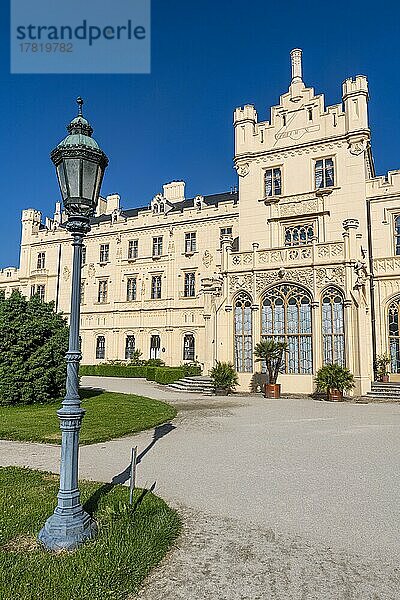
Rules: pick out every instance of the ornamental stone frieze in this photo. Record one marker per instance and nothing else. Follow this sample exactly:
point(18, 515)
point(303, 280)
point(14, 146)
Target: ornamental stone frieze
point(302, 276)
point(327, 275)
point(387, 266)
point(241, 282)
point(299, 208)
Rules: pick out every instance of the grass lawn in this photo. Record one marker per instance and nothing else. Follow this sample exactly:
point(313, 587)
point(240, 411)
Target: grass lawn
point(130, 540)
point(108, 415)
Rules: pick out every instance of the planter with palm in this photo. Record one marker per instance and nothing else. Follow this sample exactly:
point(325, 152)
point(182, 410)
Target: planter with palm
point(224, 378)
point(334, 380)
point(271, 351)
point(382, 363)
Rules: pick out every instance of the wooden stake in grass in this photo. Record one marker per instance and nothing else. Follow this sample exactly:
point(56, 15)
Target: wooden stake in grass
point(132, 483)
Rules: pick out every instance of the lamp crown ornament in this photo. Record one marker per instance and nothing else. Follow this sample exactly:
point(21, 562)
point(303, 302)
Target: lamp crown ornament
point(80, 165)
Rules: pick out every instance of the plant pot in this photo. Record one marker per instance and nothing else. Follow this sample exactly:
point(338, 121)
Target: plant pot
point(385, 378)
point(335, 396)
point(272, 390)
point(221, 392)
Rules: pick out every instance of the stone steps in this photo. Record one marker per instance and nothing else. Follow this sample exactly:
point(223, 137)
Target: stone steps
point(388, 391)
point(194, 385)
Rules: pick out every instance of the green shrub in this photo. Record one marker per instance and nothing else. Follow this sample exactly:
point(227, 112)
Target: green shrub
point(165, 375)
point(154, 362)
point(33, 344)
point(334, 377)
point(150, 373)
point(191, 369)
point(105, 370)
point(224, 376)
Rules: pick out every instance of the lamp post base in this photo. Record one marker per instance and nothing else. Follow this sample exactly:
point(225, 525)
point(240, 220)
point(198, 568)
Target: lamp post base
point(67, 531)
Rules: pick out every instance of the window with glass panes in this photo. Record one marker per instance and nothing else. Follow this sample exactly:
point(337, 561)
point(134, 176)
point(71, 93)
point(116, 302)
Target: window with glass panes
point(296, 235)
point(131, 289)
point(333, 327)
point(41, 260)
point(129, 346)
point(100, 347)
point(243, 334)
point(157, 245)
point(189, 347)
point(156, 287)
point(286, 317)
point(103, 291)
point(273, 182)
point(324, 173)
point(104, 252)
point(397, 235)
point(190, 242)
point(190, 282)
point(40, 291)
point(133, 249)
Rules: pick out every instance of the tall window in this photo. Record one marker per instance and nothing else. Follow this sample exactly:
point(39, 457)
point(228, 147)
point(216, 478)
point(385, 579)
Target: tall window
point(286, 316)
point(100, 347)
point(129, 346)
point(273, 182)
point(243, 334)
point(83, 255)
point(131, 289)
point(103, 292)
point(188, 347)
point(190, 242)
point(104, 253)
point(133, 249)
point(41, 260)
point(41, 291)
point(394, 335)
point(190, 279)
point(155, 345)
point(333, 327)
point(324, 173)
point(299, 234)
point(157, 246)
point(156, 287)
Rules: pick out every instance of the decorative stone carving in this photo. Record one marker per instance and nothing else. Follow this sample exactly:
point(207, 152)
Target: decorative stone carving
point(387, 265)
point(357, 147)
point(66, 273)
point(91, 270)
point(326, 275)
point(207, 259)
point(361, 274)
point(302, 276)
point(351, 224)
point(241, 282)
point(298, 208)
point(330, 250)
point(243, 169)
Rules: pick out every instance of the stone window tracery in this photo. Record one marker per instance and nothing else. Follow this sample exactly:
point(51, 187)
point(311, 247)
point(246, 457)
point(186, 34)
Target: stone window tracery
point(394, 335)
point(286, 317)
point(297, 235)
point(243, 334)
point(333, 327)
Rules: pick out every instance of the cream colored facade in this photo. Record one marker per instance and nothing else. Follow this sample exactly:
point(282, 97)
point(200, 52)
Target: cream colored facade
point(302, 251)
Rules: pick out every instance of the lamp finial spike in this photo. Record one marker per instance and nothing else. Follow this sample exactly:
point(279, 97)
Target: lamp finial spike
point(79, 102)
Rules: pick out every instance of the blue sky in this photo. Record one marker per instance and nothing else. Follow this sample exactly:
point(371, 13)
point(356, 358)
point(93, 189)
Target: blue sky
point(176, 123)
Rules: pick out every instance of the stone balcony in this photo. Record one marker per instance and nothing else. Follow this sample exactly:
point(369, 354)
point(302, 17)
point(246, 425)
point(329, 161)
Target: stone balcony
point(307, 255)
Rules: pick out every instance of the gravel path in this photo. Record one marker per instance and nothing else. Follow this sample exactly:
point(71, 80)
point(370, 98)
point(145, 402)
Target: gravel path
point(282, 500)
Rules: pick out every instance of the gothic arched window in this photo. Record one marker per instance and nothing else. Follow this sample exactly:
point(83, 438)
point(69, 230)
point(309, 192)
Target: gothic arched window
point(394, 335)
point(188, 347)
point(100, 347)
point(286, 317)
point(333, 327)
point(243, 334)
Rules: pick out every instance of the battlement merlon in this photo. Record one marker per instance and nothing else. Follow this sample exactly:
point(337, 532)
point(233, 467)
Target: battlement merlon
point(245, 114)
point(384, 186)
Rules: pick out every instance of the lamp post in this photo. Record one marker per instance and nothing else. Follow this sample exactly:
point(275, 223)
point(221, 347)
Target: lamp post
point(80, 165)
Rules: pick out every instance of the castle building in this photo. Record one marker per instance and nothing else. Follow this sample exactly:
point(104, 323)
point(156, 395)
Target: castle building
point(307, 251)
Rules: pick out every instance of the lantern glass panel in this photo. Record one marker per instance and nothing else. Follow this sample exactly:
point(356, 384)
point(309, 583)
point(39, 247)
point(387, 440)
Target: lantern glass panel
point(61, 180)
point(72, 169)
point(88, 179)
point(98, 184)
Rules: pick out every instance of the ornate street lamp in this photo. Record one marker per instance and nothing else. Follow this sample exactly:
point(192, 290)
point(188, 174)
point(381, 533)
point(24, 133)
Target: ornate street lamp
point(80, 165)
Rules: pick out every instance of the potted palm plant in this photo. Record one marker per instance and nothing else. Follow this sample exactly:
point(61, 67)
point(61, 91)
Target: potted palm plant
point(382, 363)
point(224, 378)
point(271, 351)
point(334, 380)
